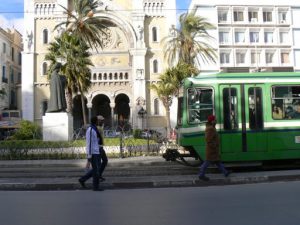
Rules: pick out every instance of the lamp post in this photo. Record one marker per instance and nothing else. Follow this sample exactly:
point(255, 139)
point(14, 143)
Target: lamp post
point(142, 112)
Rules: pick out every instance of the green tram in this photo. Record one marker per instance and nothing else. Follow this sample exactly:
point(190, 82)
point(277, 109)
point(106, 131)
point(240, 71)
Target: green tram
point(258, 115)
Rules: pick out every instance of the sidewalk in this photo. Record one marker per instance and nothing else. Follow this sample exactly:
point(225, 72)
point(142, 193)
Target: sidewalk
point(135, 172)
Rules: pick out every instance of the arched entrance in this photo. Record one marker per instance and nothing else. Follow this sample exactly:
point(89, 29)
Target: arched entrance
point(122, 112)
point(77, 112)
point(101, 106)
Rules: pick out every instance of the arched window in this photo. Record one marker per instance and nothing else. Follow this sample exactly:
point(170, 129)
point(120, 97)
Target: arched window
point(45, 68)
point(126, 76)
point(154, 34)
point(155, 66)
point(156, 106)
point(45, 36)
point(36, 8)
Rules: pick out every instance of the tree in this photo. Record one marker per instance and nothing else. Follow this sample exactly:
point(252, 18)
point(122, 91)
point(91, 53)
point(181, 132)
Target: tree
point(175, 75)
point(164, 92)
point(88, 30)
point(190, 41)
point(82, 23)
point(75, 55)
point(168, 86)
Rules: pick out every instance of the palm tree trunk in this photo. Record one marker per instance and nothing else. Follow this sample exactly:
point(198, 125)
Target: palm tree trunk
point(83, 109)
point(69, 100)
point(167, 108)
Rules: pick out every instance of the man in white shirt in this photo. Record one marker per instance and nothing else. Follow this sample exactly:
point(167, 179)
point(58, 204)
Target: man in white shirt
point(104, 159)
point(94, 142)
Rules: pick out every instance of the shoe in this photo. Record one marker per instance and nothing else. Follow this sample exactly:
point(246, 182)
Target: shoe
point(98, 189)
point(204, 178)
point(227, 174)
point(101, 179)
point(82, 183)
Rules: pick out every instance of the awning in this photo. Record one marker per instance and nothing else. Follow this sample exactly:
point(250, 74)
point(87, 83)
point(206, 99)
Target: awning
point(9, 124)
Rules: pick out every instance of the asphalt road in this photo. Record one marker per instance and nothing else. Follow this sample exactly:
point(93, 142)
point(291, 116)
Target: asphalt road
point(252, 204)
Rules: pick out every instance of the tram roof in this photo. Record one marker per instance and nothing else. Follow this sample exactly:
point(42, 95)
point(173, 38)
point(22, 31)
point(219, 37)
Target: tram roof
point(249, 75)
point(260, 77)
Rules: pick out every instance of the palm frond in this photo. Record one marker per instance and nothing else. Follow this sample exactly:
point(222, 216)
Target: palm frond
point(190, 41)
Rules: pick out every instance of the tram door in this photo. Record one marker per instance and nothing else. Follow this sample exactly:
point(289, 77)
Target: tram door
point(253, 113)
point(241, 110)
point(230, 110)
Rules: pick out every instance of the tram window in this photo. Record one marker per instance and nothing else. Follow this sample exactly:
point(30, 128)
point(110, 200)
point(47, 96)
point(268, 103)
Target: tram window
point(255, 108)
point(286, 102)
point(200, 104)
point(230, 109)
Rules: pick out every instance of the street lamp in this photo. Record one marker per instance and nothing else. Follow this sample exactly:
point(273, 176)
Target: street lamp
point(141, 113)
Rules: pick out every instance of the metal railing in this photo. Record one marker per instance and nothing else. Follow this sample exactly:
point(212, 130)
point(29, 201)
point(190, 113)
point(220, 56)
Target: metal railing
point(116, 144)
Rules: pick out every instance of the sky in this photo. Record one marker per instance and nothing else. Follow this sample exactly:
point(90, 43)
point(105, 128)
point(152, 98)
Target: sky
point(11, 12)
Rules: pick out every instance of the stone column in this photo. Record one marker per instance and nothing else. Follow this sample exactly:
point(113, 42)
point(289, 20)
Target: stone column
point(138, 76)
point(28, 59)
point(89, 105)
point(28, 86)
point(112, 106)
point(130, 119)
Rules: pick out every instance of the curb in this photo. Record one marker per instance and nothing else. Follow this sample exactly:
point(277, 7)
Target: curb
point(148, 184)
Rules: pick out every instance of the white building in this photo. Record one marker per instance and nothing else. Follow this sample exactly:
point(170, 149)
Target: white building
point(10, 67)
point(132, 58)
point(253, 35)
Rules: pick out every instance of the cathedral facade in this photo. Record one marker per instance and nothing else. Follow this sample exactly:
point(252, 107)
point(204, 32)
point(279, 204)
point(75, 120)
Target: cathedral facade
point(131, 59)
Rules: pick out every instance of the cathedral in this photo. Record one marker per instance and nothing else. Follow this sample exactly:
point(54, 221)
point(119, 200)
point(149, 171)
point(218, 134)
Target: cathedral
point(131, 59)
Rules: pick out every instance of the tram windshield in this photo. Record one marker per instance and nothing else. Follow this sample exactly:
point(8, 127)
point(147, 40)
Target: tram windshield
point(200, 104)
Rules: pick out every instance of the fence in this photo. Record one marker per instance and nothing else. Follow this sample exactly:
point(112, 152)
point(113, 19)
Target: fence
point(116, 144)
point(128, 143)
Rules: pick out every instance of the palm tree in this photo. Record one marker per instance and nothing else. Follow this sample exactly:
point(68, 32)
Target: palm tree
point(82, 22)
point(175, 75)
point(189, 41)
point(169, 84)
point(164, 92)
point(89, 30)
point(75, 54)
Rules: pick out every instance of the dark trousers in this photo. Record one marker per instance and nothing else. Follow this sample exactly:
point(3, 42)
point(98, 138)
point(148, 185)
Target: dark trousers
point(206, 163)
point(94, 172)
point(96, 166)
point(104, 161)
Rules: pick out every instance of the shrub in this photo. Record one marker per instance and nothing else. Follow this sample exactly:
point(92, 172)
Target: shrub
point(137, 133)
point(27, 131)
